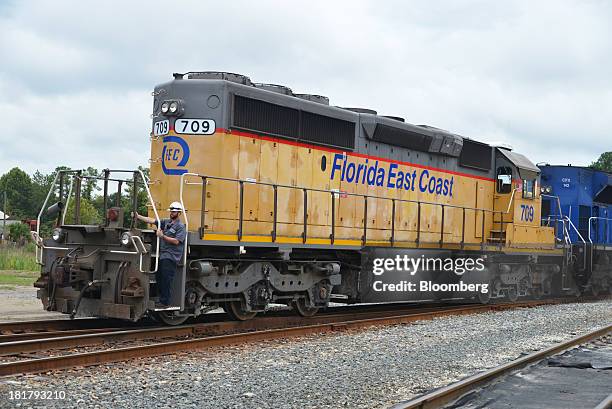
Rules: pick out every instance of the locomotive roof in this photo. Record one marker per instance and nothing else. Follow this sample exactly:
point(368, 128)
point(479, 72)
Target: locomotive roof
point(277, 111)
point(282, 95)
point(575, 167)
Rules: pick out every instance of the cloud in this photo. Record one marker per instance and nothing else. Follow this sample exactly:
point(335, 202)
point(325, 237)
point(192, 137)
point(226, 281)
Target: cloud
point(76, 80)
point(78, 130)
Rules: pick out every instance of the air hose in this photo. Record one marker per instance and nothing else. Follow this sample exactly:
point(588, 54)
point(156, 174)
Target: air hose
point(87, 287)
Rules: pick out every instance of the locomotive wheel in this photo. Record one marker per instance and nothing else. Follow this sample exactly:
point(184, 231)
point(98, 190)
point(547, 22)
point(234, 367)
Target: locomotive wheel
point(236, 312)
point(512, 294)
point(303, 309)
point(484, 298)
point(536, 292)
point(169, 318)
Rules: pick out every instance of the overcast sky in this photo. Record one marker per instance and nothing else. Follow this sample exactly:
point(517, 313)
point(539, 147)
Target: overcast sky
point(76, 78)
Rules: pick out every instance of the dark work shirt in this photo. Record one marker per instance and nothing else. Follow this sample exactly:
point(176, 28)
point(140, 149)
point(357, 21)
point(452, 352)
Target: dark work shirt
point(176, 230)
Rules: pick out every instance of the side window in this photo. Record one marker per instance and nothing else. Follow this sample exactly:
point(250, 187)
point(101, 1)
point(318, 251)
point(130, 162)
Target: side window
point(504, 179)
point(529, 188)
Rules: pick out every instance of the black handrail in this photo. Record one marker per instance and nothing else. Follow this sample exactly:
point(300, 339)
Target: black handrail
point(305, 216)
point(393, 222)
point(105, 203)
point(463, 229)
point(77, 198)
point(275, 213)
point(333, 218)
point(418, 237)
point(203, 215)
point(483, 229)
point(60, 198)
point(241, 218)
point(334, 194)
point(365, 220)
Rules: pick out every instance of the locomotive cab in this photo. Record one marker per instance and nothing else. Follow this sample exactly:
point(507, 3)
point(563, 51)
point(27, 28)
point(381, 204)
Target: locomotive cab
point(518, 199)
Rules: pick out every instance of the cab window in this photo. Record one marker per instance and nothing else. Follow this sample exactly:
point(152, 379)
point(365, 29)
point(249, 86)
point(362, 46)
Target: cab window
point(504, 179)
point(529, 188)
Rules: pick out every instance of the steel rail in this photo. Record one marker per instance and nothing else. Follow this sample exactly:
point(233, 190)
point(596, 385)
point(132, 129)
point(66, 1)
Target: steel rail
point(42, 326)
point(162, 348)
point(442, 396)
point(17, 333)
point(40, 343)
point(63, 325)
point(50, 334)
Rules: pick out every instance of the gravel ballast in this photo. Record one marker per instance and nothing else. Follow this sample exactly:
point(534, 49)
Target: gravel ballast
point(371, 368)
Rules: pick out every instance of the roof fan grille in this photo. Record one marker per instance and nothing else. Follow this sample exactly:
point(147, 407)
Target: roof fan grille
point(279, 89)
point(220, 75)
point(319, 99)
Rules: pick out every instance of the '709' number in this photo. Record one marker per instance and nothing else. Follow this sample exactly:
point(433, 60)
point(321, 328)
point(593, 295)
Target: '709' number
point(194, 126)
point(527, 213)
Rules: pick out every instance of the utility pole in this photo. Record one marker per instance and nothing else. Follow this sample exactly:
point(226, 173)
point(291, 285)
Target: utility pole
point(4, 217)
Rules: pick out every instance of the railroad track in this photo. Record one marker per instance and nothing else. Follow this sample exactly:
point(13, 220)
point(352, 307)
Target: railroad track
point(40, 328)
point(452, 393)
point(38, 342)
point(24, 355)
point(20, 330)
point(44, 326)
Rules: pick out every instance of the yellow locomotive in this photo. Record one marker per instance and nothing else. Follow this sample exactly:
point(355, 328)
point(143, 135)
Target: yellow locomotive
point(290, 200)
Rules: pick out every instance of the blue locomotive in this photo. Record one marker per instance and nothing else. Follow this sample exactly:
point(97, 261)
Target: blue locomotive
point(577, 201)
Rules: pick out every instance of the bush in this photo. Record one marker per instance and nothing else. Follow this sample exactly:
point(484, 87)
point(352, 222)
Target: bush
point(19, 233)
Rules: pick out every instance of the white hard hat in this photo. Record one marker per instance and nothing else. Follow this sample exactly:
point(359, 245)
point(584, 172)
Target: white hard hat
point(175, 207)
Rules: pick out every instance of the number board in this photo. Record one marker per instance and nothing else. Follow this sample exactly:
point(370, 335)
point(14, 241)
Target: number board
point(194, 126)
point(161, 127)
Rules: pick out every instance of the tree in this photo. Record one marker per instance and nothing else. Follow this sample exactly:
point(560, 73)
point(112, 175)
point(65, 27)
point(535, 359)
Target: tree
point(18, 187)
point(89, 186)
point(89, 213)
point(142, 199)
point(604, 162)
point(19, 233)
point(41, 183)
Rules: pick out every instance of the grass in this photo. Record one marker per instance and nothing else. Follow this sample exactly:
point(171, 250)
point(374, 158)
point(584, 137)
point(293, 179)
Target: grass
point(18, 258)
point(9, 279)
point(18, 267)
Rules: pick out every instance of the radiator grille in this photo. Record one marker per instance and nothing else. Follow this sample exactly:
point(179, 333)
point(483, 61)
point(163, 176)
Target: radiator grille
point(264, 117)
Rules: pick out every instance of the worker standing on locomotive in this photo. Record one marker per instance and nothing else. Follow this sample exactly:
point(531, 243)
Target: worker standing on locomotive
point(172, 235)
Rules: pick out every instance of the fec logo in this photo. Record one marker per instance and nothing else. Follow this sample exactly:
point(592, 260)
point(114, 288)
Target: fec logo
point(175, 155)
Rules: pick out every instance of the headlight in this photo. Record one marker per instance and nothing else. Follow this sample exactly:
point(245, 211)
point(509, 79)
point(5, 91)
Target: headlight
point(126, 239)
point(172, 107)
point(58, 235)
point(546, 189)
